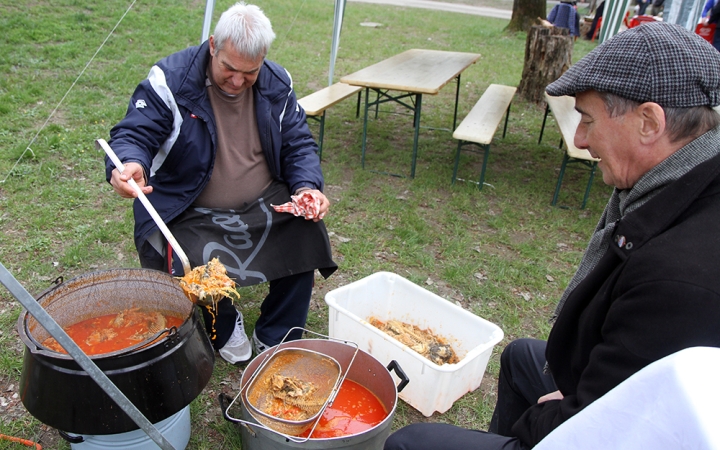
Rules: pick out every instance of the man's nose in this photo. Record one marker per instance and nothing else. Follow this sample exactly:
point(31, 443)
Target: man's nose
point(580, 140)
point(238, 80)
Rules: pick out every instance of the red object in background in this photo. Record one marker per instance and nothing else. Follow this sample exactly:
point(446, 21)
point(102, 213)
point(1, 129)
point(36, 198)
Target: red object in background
point(639, 20)
point(706, 31)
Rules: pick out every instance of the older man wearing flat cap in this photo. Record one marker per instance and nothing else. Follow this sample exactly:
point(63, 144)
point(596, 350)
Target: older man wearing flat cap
point(649, 283)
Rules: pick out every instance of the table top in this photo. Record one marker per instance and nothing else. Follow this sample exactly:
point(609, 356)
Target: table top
point(416, 70)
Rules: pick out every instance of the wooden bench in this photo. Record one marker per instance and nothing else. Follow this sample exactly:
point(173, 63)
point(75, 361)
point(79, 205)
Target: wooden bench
point(316, 103)
point(567, 118)
point(479, 126)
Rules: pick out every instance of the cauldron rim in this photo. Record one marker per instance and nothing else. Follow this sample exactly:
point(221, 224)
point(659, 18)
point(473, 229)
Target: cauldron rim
point(36, 347)
point(159, 379)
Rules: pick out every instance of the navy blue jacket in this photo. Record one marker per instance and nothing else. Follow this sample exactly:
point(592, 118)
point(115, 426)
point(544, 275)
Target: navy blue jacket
point(170, 130)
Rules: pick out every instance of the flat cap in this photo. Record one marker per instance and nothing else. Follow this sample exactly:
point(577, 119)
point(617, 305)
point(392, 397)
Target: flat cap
point(654, 62)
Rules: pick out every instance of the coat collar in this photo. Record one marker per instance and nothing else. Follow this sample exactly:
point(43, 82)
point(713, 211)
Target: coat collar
point(655, 216)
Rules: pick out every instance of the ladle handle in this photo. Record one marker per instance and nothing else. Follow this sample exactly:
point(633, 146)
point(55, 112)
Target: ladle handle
point(101, 143)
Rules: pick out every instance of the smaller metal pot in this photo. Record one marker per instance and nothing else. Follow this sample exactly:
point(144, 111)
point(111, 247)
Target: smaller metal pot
point(364, 370)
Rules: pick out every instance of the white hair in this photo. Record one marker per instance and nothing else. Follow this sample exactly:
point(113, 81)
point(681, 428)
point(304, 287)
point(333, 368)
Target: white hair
point(246, 28)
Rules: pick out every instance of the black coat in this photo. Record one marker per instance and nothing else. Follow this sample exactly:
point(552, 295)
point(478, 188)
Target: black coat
point(656, 291)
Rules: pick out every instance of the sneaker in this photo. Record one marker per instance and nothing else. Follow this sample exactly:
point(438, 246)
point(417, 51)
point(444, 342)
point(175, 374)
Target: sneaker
point(238, 348)
point(257, 345)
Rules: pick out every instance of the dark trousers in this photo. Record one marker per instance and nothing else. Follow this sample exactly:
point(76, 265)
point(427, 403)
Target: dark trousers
point(286, 305)
point(520, 384)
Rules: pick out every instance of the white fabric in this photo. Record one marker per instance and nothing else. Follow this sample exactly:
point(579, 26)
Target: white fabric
point(673, 403)
point(159, 84)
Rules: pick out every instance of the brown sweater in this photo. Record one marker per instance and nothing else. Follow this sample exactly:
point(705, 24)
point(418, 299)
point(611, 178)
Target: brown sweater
point(240, 173)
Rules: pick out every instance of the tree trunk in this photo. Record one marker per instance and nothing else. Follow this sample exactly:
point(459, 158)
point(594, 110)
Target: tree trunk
point(525, 14)
point(548, 54)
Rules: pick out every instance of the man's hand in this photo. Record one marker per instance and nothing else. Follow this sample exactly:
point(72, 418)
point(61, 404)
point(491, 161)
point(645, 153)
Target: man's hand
point(119, 181)
point(324, 205)
point(557, 395)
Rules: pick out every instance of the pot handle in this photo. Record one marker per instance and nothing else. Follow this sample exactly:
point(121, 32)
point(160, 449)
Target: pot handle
point(399, 372)
point(56, 282)
point(70, 438)
point(225, 401)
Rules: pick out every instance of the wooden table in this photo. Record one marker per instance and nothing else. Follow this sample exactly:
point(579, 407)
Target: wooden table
point(411, 73)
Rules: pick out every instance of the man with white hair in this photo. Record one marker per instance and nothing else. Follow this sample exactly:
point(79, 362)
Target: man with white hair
point(648, 285)
point(215, 137)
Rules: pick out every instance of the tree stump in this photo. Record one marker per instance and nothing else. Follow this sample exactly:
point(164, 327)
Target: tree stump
point(548, 54)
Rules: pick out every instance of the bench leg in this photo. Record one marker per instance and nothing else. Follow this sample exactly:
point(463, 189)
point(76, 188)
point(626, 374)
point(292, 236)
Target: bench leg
point(507, 116)
point(560, 178)
point(542, 128)
point(486, 156)
point(486, 149)
point(589, 185)
point(321, 135)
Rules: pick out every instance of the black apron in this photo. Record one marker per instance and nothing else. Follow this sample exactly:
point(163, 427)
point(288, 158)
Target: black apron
point(255, 243)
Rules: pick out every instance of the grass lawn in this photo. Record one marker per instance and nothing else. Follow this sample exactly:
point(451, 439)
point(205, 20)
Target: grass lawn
point(502, 253)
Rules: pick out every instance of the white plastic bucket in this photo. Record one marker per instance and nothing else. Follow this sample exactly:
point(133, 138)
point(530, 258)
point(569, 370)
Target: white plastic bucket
point(386, 296)
point(176, 429)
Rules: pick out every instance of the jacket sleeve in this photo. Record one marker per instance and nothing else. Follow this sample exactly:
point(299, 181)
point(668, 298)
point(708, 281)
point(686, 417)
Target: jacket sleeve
point(646, 323)
point(146, 125)
point(299, 161)
point(706, 9)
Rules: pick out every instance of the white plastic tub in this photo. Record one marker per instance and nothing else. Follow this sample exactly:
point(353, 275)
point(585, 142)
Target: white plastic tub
point(387, 296)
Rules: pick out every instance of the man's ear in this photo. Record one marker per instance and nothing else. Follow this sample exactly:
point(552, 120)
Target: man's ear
point(211, 40)
point(652, 122)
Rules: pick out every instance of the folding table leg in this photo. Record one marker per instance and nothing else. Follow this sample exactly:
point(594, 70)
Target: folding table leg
point(357, 110)
point(589, 185)
point(560, 178)
point(457, 96)
point(457, 161)
point(418, 109)
point(365, 121)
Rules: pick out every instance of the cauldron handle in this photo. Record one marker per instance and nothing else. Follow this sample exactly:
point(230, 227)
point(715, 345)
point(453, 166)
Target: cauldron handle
point(399, 372)
point(225, 401)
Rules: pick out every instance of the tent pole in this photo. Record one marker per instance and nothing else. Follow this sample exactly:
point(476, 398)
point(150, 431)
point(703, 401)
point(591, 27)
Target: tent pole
point(337, 26)
point(209, 6)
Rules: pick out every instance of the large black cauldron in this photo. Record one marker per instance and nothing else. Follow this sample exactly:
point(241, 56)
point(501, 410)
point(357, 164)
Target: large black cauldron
point(159, 378)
